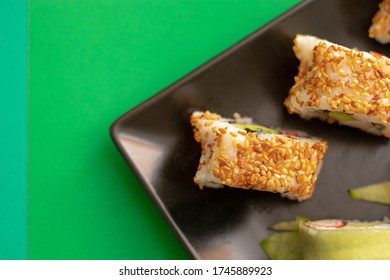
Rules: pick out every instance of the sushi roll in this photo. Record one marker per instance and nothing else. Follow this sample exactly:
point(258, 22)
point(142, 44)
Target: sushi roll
point(380, 28)
point(238, 153)
point(333, 239)
point(345, 240)
point(337, 84)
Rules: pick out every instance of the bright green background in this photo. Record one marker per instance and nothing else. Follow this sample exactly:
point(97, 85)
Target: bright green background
point(13, 127)
point(90, 62)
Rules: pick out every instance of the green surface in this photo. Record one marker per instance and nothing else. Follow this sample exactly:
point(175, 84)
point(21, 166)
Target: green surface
point(13, 125)
point(90, 62)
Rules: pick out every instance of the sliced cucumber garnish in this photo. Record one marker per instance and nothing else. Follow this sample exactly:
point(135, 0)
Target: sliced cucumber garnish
point(283, 246)
point(379, 193)
point(285, 226)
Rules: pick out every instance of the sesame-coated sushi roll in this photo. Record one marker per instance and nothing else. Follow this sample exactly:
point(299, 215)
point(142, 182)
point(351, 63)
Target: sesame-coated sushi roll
point(342, 85)
point(240, 154)
point(380, 28)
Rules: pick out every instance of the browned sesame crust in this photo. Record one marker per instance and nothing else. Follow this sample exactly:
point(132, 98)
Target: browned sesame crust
point(278, 164)
point(351, 82)
point(381, 21)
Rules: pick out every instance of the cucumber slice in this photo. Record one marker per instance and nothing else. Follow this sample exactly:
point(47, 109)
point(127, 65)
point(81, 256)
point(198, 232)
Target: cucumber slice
point(288, 225)
point(283, 246)
point(378, 193)
point(341, 116)
point(285, 226)
point(301, 219)
point(256, 128)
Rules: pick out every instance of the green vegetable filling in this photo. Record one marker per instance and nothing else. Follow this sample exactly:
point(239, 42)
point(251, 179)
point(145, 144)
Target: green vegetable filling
point(345, 117)
point(340, 116)
point(256, 128)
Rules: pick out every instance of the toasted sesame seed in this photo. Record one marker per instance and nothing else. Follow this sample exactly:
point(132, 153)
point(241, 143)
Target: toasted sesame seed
point(222, 130)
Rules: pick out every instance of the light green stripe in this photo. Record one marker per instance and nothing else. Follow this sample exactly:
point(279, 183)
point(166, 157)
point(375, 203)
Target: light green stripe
point(13, 127)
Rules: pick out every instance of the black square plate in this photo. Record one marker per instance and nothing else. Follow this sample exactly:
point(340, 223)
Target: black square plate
point(253, 78)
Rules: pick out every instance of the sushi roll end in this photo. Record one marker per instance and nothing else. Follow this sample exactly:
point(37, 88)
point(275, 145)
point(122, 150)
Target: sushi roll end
point(238, 153)
point(329, 239)
point(337, 84)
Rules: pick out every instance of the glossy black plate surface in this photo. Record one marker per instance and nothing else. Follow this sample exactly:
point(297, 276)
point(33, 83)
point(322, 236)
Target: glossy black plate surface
point(253, 78)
